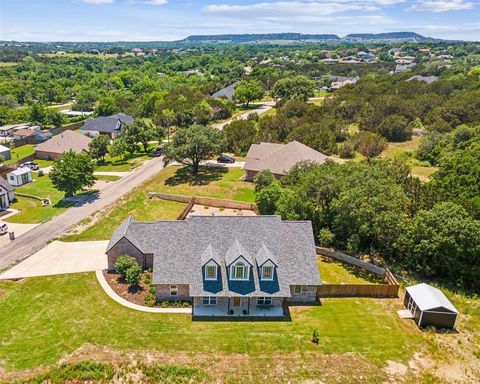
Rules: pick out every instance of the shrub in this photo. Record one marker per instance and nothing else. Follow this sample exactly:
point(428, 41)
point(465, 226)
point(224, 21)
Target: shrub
point(133, 274)
point(123, 263)
point(325, 237)
point(40, 173)
point(346, 150)
point(263, 179)
point(315, 338)
point(150, 299)
point(151, 289)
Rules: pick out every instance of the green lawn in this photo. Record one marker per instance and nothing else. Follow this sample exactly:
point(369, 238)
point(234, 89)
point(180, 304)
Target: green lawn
point(20, 153)
point(116, 164)
point(31, 210)
point(212, 182)
point(47, 317)
point(332, 272)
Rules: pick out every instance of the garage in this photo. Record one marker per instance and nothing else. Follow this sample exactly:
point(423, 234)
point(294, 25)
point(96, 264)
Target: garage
point(430, 307)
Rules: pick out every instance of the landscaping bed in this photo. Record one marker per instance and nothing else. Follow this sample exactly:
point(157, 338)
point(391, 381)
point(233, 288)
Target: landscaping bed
point(142, 293)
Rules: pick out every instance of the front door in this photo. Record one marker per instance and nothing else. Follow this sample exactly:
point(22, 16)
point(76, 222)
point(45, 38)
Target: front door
point(237, 301)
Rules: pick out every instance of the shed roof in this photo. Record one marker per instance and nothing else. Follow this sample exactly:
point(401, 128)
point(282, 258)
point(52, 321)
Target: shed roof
point(64, 142)
point(429, 298)
point(4, 149)
point(21, 171)
point(280, 158)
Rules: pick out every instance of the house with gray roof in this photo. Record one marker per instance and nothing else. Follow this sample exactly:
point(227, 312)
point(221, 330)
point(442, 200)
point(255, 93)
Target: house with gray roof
point(225, 265)
point(279, 158)
point(7, 195)
point(110, 125)
point(426, 79)
point(226, 92)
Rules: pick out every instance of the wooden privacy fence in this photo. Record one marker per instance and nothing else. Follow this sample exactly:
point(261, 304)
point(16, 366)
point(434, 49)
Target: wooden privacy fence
point(357, 290)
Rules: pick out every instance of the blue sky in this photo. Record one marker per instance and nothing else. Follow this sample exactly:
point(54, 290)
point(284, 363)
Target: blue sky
point(139, 20)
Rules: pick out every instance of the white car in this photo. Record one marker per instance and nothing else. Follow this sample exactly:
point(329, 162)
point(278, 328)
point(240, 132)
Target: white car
point(3, 228)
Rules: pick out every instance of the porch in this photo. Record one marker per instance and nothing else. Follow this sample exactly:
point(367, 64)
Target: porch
point(237, 307)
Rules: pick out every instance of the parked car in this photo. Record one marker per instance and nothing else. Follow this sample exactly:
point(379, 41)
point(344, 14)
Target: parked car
point(225, 159)
point(3, 229)
point(158, 152)
point(30, 164)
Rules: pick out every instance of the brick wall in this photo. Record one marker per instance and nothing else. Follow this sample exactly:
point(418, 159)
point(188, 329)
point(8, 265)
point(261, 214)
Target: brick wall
point(124, 247)
point(308, 295)
point(162, 292)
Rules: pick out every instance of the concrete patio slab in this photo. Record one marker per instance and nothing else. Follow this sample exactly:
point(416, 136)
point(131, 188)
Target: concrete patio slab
point(18, 229)
point(59, 258)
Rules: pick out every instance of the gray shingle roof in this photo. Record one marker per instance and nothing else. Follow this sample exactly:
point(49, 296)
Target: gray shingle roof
point(226, 92)
point(280, 158)
point(181, 248)
point(426, 79)
point(7, 187)
point(64, 142)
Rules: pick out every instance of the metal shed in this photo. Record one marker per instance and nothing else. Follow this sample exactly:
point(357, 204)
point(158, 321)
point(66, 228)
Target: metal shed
point(430, 307)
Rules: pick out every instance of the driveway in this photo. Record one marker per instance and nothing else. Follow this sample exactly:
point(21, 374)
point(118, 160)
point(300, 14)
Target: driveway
point(58, 258)
point(265, 107)
point(18, 229)
point(37, 238)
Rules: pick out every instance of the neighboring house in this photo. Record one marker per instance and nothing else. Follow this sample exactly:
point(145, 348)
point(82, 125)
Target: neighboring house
point(20, 176)
point(404, 68)
point(5, 153)
point(340, 81)
point(23, 133)
point(110, 125)
point(7, 194)
point(426, 79)
point(67, 141)
point(6, 130)
point(329, 60)
point(224, 265)
point(226, 92)
point(430, 307)
point(279, 158)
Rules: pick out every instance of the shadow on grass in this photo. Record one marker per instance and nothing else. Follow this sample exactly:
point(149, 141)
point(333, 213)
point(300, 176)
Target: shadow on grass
point(356, 271)
point(204, 176)
point(79, 199)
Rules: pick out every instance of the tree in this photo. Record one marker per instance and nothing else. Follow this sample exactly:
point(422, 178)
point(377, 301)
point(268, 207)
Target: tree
point(118, 148)
point(296, 87)
point(54, 118)
point(194, 144)
point(138, 131)
point(395, 128)
point(240, 135)
point(99, 147)
point(248, 91)
point(267, 198)
point(106, 107)
point(37, 114)
point(369, 144)
point(263, 179)
point(72, 172)
point(166, 119)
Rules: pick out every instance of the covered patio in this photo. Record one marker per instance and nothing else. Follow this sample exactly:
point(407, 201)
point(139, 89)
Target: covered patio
point(236, 307)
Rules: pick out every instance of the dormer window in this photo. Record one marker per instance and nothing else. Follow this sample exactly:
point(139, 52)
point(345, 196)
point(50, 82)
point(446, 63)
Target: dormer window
point(267, 272)
point(239, 271)
point(211, 272)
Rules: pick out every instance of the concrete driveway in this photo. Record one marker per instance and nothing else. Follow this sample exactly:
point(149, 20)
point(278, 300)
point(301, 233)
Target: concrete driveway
point(58, 258)
point(18, 229)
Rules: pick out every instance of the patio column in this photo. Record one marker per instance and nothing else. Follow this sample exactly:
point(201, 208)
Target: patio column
point(228, 306)
point(248, 306)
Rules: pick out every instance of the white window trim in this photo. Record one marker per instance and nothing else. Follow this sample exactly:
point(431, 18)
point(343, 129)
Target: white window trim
point(206, 272)
point(263, 299)
point(247, 271)
point(297, 293)
point(209, 299)
point(172, 288)
point(262, 272)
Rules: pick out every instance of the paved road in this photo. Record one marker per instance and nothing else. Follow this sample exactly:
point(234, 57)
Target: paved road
point(264, 108)
point(34, 240)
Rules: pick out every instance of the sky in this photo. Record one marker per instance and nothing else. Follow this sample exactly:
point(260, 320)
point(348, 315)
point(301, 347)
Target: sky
point(153, 20)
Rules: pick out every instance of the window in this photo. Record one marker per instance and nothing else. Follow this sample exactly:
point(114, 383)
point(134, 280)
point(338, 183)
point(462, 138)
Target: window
point(240, 271)
point(297, 290)
point(173, 290)
point(264, 301)
point(267, 272)
point(211, 272)
point(209, 300)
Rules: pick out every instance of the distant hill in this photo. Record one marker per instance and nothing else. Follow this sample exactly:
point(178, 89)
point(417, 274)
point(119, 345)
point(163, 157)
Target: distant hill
point(256, 38)
point(403, 36)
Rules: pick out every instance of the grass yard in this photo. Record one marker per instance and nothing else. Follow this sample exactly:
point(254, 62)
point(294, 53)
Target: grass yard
point(47, 317)
point(31, 210)
point(212, 182)
point(333, 272)
point(116, 164)
point(20, 153)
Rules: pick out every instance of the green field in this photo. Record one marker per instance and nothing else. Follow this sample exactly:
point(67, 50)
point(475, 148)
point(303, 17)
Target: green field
point(213, 182)
point(117, 164)
point(21, 152)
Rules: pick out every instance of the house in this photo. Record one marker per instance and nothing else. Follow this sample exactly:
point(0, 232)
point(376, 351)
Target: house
point(426, 79)
point(404, 68)
point(7, 195)
point(23, 133)
point(340, 81)
point(279, 158)
point(67, 141)
point(6, 130)
point(430, 307)
point(5, 153)
point(226, 92)
point(20, 176)
point(224, 265)
point(110, 125)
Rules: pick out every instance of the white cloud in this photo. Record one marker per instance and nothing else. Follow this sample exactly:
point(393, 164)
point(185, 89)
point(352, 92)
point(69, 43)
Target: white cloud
point(98, 1)
point(156, 2)
point(439, 6)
